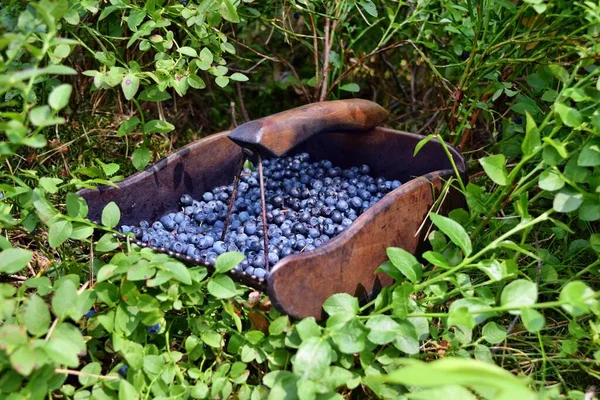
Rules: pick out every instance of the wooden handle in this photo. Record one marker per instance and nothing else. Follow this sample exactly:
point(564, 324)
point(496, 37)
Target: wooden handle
point(277, 134)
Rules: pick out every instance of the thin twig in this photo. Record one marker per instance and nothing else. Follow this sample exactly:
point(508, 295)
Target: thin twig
point(238, 89)
point(80, 373)
point(422, 129)
point(394, 74)
point(316, 53)
point(293, 70)
point(324, 92)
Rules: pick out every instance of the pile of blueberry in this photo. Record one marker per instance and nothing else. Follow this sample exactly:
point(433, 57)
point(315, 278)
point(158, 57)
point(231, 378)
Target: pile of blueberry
point(307, 204)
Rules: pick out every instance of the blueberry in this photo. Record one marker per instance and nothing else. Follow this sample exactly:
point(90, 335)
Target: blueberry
point(123, 371)
point(342, 205)
point(259, 273)
point(208, 196)
point(186, 200)
point(90, 314)
point(219, 247)
point(153, 329)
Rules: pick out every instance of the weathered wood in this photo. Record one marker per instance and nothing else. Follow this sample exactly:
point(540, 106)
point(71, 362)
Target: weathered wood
point(279, 133)
point(299, 284)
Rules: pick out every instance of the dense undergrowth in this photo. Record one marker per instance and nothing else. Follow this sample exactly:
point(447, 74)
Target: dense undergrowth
point(503, 306)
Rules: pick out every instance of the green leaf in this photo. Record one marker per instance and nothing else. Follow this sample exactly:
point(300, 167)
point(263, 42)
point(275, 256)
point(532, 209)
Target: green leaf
point(406, 263)
point(140, 158)
point(567, 200)
point(595, 242)
point(111, 215)
point(76, 206)
point(50, 184)
point(222, 81)
point(350, 87)
point(153, 93)
point(196, 82)
point(64, 299)
point(14, 260)
point(590, 154)
point(407, 340)
point(460, 316)
point(23, 360)
point(313, 358)
point(401, 300)
point(93, 368)
point(494, 167)
point(341, 303)
point(494, 333)
point(532, 319)
point(519, 293)
point(187, 51)
point(106, 243)
point(578, 297)
point(228, 261)
point(569, 116)
point(532, 136)
point(127, 391)
point(369, 7)
point(559, 72)
point(59, 232)
point(212, 338)
point(158, 126)
point(550, 180)
point(454, 231)
point(422, 143)
point(279, 325)
point(62, 50)
point(128, 126)
point(221, 286)
point(59, 97)
point(383, 329)
point(228, 11)
point(464, 372)
point(140, 271)
point(37, 316)
point(347, 332)
point(130, 85)
point(236, 76)
point(590, 210)
point(180, 272)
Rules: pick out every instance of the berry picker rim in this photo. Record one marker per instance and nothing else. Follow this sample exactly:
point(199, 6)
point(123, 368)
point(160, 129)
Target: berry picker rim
point(347, 132)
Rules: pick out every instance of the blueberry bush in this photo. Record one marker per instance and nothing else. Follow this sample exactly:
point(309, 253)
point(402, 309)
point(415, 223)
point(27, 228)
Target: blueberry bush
point(504, 305)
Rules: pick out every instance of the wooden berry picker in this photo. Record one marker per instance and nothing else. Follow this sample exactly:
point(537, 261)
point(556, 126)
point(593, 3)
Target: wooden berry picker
point(330, 191)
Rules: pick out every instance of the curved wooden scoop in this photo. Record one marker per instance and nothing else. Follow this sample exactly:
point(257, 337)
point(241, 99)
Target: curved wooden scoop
point(277, 134)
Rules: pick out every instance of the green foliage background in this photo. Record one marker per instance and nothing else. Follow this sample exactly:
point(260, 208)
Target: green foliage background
point(503, 306)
